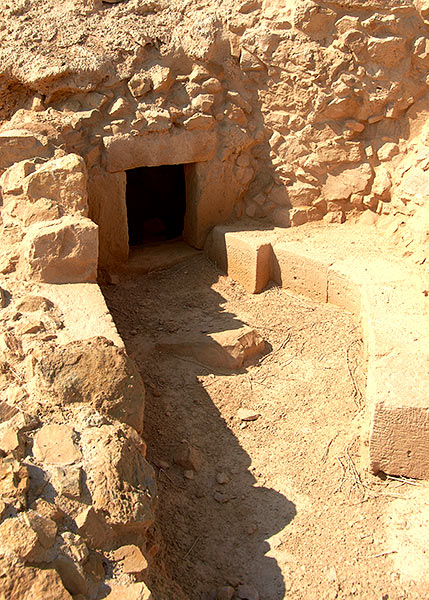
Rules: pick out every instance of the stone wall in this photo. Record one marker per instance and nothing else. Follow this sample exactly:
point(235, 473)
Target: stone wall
point(289, 112)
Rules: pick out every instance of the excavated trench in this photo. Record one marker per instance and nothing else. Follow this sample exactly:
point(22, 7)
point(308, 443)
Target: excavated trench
point(278, 504)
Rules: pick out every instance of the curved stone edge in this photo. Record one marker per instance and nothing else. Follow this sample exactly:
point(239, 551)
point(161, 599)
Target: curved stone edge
point(381, 295)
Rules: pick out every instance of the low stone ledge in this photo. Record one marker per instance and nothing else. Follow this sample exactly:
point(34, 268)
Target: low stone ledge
point(301, 270)
point(245, 255)
point(84, 310)
point(397, 392)
point(381, 294)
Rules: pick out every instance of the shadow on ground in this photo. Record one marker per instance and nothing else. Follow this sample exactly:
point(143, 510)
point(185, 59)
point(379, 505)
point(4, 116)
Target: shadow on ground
point(213, 533)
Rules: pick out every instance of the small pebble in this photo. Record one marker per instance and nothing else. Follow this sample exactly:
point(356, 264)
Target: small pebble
point(219, 497)
point(222, 478)
point(188, 474)
point(244, 414)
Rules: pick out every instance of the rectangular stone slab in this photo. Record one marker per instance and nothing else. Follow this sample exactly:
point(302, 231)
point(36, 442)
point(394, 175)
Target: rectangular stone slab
point(397, 391)
point(244, 255)
point(123, 152)
point(297, 268)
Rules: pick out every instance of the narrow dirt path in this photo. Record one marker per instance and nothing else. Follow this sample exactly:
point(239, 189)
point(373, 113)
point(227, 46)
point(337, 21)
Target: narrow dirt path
point(280, 503)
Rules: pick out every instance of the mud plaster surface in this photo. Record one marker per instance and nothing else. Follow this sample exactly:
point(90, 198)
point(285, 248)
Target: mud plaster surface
point(299, 518)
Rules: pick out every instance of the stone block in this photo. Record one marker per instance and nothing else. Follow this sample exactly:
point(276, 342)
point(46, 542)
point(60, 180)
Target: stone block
point(229, 349)
point(107, 208)
point(17, 145)
point(153, 149)
point(62, 180)
point(12, 178)
point(246, 257)
point(54, 445)
point(343, 290)
point(19, 582)
point(397, 394)
point(347, 277)
point(392, 315)
point(64, 251)
point(297, 268)
point(114, 387)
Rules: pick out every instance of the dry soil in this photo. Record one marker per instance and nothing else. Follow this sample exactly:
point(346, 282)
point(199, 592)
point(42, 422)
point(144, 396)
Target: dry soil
point(281, 503)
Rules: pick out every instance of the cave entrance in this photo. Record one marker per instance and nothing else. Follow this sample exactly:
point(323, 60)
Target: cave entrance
point(156, 204)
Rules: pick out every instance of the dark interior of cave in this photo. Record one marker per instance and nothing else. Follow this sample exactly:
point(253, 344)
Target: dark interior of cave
point(156, 203)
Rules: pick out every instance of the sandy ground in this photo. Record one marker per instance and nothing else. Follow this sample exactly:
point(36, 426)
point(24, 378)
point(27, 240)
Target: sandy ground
point(281, 503)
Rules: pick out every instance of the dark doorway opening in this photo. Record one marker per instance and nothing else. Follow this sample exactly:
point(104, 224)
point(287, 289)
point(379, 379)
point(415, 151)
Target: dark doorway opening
point(156, 203)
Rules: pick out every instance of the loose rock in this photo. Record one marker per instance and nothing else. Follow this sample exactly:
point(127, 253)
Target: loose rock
point(245, 414)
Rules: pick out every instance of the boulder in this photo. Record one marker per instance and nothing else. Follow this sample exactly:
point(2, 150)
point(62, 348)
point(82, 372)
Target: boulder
point(134, 591)
point(12, 179)
point(64, 251)
point(62, 180)
point(162, 78)
point(17, 145)
point(27, 583)
point(29, 536)
point(72, 575)
point(92, 527)
point(139, 84)
point(94, 371)
point(229, 349)
point(14, 482)
point(387, 51)
point(121, 482)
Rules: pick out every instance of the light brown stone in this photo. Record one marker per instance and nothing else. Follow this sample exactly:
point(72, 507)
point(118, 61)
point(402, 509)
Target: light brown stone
point(131, 558)
point(188, 457)
point(65, 251)
point(12, 179)
point(54, 444)
point(27, 583)
point(62, 180)
point(17, 145)
point(97, 372)
point(350, 181)
point(123, 468)
point(92, 527)
point(67, 481)
point(28, 536)
point(127, 152)
point(301, 269)
point(134, 591)
point(246, 257)
point(14, 481)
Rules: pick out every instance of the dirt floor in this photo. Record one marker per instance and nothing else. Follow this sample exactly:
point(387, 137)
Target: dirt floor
point(281, 503)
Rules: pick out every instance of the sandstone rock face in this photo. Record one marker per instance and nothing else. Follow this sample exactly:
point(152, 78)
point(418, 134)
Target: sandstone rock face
point(94, 372)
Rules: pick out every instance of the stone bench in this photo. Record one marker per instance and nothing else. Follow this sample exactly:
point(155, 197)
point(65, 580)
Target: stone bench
point(384, 297)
